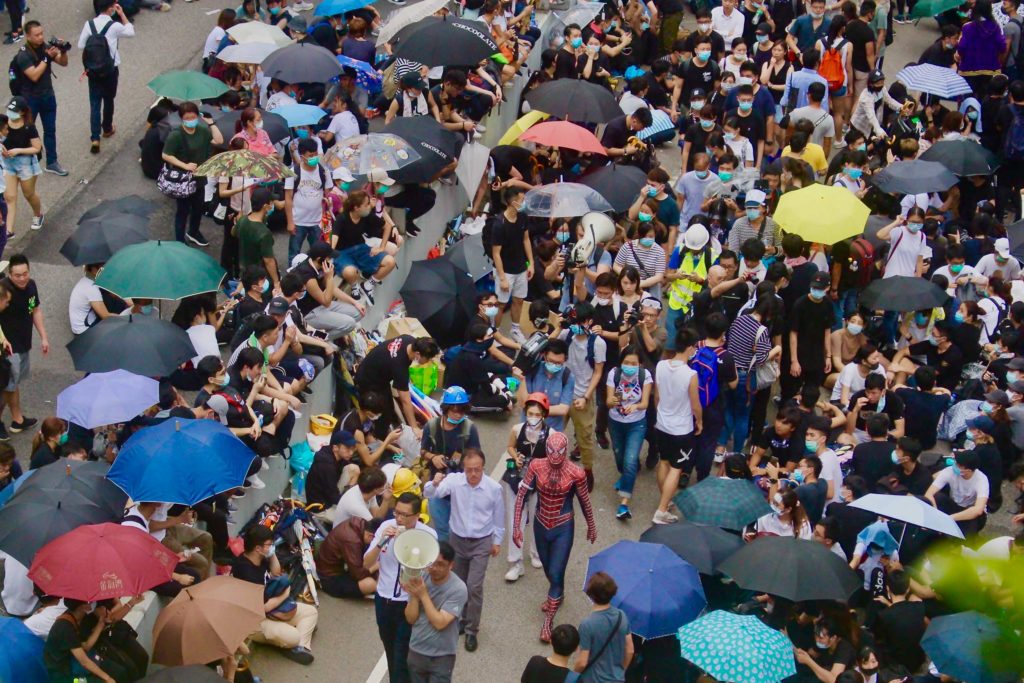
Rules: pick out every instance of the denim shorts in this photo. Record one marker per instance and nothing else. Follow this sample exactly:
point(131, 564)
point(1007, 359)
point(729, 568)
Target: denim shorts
point(359, 257)
point(25, 166)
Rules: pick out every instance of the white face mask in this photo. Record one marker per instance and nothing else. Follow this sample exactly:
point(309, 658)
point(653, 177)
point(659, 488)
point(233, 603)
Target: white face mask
point(533, 421)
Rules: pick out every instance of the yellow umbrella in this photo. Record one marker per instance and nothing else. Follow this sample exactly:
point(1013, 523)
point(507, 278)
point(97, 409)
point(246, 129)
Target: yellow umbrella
point(511, 136)
point(822, 213)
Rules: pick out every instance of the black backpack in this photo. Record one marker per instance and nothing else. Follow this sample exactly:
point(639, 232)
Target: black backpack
point(17, 80)
point(1018, 58)
point(96, 57)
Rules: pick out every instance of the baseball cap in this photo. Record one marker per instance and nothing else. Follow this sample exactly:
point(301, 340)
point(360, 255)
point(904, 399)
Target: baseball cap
point(982, 423)
point(1017, 387)
point(413, 80)
point(379, 175)
point(1016, 364)
point(821, 279)
point(219, 405)
point(755, 198)
point(1003, 247)
point(321, 250)
point(16, 106)
point(343, 174)
point(278, 306)
point(697, 94)
point(343, 437)
point(997, 397)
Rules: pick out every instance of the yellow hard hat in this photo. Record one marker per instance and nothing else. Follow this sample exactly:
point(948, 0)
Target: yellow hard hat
point(404, 481)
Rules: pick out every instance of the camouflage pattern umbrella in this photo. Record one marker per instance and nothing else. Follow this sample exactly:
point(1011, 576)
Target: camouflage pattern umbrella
point(244, 163)
point(362, 153)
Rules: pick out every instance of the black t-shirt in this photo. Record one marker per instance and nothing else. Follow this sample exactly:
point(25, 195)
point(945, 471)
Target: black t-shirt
point(386, 364)
point(899, 630)
point(841, 255)
point(657, 96)
point(697, 137)
point(540, 670)
point(919, 479)
point(616, 133)
point(843, 654)
point(322, 478)
point(892, 406)
point(509, 236)
point(666, 7)
point(717, 45)
point(245, 570)
point(922, 412)
point(565, 64)
point(307, 272)
point(799, 284)
point(351, 234)
point(247, 306)
point(785, 448)
point(43, 456)
point(812, 497)
point(28, 58)
point(751, 126)
point(947, 365)
point(16, 319)
point(860, 34)
point(873, 460)
point(702, 77)
point(325, 36)
point(507, 157)
point(21, 138)
point(62, 639)
point(609, 317)
point(810, 320)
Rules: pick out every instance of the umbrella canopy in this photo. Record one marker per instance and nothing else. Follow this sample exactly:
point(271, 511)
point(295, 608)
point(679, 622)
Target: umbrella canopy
point(1015, 231)
point(258, 32)
point(564, 134)
point(724, 503)
point(737, 648)
point(441, 297)
point(187, 85)
point(658, 590)
point(56, 499)
point(366, 76)
point(914, 177)
point(207, 621)
point(181, 461)
point(12, 488)
point(962, 157)
point(581, 14)
point(933, 8)
point(100, 561)
point(618, 183)
point(140, 344)
point(96, 240)
point(563, 200)
point(437, 146)
point(275, 125)
point(451, 42)
point(300, 114)
point(522, 124)
point(902, 293)
point(246, 53)
point(301, 63)
point(245, 163)
point(934, 80)
point(133, 204)
point(705, 547)
point(791, 568)
point(331, 8)
point(361, 154)
point(960, 646)
point(195, 673)
point(575, 100)
point(21, 657)
point(822, 213)
point(468, 256)
point(124, 396)
point(910, 510)
point(160, 269)
point(407, 16)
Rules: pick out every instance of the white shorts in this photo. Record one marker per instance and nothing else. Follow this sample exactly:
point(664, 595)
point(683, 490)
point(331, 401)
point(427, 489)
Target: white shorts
point(517, 285)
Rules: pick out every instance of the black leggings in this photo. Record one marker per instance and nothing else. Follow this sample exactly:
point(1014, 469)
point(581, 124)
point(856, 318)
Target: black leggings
point(14, 8)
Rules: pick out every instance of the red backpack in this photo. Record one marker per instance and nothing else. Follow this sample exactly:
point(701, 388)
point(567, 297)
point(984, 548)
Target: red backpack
point(831, 67)
point(862, 260)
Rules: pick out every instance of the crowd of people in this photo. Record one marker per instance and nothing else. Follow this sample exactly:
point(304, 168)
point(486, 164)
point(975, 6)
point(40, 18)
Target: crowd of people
point(689, 321)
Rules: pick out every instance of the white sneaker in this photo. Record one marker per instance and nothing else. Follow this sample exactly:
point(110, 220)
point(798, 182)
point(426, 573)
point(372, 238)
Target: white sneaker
point(664, 518)
point(256, 483)
point(535, 561)
point(37, 222)
point(515, 570)
point(839, 144)
point(264, 466)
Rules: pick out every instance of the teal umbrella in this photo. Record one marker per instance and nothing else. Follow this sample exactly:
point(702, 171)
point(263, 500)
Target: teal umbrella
point(725, 503)
point(190, 86)
point(738, 649)
point(160, 269)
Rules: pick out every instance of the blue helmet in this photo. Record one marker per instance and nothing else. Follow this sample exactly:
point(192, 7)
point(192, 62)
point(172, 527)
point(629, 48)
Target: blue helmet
point(455, 396)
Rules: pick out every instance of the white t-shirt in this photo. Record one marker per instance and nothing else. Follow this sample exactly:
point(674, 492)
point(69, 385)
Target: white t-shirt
point(343, 126)
point(42, 621)
point(824, 124)
point(204, 339)
point(771, 524)
point(307, 199)
point(945, 272)
point(630, 103)
point(991, 309)
point(831, 471)
point(964, 492)
point(632, 392)
point(851, 377)
point(352, 504)
point(17, 594)
point(80, 310)
point(904, 249)
point(577, 363)
point(213, 40)
point(675, 414)
point(987, 266)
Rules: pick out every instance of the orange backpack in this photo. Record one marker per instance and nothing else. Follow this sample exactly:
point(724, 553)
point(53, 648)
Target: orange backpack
point(831, 67)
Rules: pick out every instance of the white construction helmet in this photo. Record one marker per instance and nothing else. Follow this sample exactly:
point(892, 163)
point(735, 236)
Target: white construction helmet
point(696, 237)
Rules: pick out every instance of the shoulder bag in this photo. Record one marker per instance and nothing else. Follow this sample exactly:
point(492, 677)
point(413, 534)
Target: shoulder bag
point(764, 375)
point(175, 182)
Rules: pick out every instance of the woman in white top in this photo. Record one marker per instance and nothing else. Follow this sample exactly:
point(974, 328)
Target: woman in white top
point(526, 441)
point(235, 191)
point(225, 20)
point(839, 101)
point(629, 391)
point(734, 61)
point(787, 518)
point(853, 375)
point(737, 143)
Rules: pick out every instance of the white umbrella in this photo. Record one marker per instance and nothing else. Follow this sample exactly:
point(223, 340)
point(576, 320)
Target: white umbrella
point(472, 166)
point(246, 53)
point(257, 32)
point(911, 510)
point(934, 80)
point(408, 16)
point(124, 396)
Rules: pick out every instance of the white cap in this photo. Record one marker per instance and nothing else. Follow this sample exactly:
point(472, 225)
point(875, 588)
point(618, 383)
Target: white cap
point(343, 174)
point(755, 197)
point(696, 237)
point(1003, 247)
point(379, 175)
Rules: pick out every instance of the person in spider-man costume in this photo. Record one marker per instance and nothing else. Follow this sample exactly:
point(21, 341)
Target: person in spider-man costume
point(555, 479)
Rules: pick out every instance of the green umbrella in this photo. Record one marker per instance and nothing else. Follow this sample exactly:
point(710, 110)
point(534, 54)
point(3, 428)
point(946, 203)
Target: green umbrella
point(725, 503)
point(931, 8)
point(739, 649)
point(160, 269)
point(244, 163)
point(187, 85)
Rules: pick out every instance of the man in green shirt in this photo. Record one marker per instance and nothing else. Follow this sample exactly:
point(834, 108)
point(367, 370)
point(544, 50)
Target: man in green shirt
point(255, 241)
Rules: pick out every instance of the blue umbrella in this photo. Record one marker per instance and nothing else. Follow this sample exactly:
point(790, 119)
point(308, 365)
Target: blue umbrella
point(739, 649)
point(181, 461)
point(12, 488)
point(125, 395)
point(658, 590)
point(367, 77)
point(332, 8)
point(962, 646)
point(300, 114)
point(21, 657)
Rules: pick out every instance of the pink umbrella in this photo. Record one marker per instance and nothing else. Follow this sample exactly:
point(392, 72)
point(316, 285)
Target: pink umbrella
point(563, 134)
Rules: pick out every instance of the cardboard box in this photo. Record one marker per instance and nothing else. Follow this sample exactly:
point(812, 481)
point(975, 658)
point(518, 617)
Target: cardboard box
point(526, 324)
point(397, 326)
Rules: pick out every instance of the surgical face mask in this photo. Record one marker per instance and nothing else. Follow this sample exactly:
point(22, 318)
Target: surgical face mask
point(561, 237)
point(817, 15)
point(647, 242)
point(365, 211)
point(956, 469)
point(868, 672)
point(223, 108)
point(958, 316)
point(894, 456)
point(576, 43)
point(491, 311)
point(811, 445)
point(345, 187)
point(456, 420)
point(1012, 377)
point(760, 38)
point(986, 407)
point(265, 287)
point(701, 174)
point(746, 106)
point(915, 227)
point(259, 125)
point(778, 510)
point(302, 133)
point(533, 421)
point(933, 341)
point(821, 644)
point(753, 214)
point(707, 125)
point(921, 319)
point(274, 10)
point(313, 161)
point(862, 147)
point(601, 302)
point(704, 55)
point(697, 105)
point(652, 191)
point(817, 294)
point(725, 176)
point(552, 368)
point(854, 328)
point(63, 439)
point(704, 28)
point(384, 188)
point(798, 476)
point(854, 173)
point(645, 217)
point(613, 25)
point(630, 370)
point(738, 56)
point(147, 309)
point(729, 137)
point(577, 329)
point(644, 26)
point(972, 115)
point(190, 124)
point(955, 268)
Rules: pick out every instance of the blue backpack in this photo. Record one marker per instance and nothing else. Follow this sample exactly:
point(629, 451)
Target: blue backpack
point(706, 362)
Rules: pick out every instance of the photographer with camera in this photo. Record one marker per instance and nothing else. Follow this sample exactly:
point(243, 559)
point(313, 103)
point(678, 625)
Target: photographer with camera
point(34, 82)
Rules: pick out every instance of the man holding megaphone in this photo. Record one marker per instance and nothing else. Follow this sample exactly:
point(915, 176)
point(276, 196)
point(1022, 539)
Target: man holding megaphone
point(436, 602)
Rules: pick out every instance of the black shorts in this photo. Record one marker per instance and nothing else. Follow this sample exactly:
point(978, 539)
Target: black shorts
point(341, 586)
point(677, 451)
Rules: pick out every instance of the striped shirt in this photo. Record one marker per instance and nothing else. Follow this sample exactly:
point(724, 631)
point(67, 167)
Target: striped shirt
point(649, 262)
point(742, 231)
point(743, 333)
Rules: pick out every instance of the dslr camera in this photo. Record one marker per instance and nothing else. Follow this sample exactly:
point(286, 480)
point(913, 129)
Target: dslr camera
point(61, 45)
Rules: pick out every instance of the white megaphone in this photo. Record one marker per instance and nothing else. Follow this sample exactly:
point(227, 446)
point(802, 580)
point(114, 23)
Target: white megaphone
point(415, 550)
point(597, 227)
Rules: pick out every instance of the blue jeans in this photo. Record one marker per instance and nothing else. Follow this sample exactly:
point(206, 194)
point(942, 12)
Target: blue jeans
point(845, 305)
point(102, 92)
point(394, 632)
point(45, 109)
point(440, 512)
point(553, 546)
point(671, 316)
point(627, 439)
point(737, 414)
point(303, 233)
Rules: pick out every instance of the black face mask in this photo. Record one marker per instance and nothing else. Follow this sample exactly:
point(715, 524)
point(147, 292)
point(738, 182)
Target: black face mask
point(875, 89)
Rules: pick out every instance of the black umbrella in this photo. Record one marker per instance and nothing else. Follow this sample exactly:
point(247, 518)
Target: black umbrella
point(54, 500)
point(902, 293)
point(618, 183)
point(274, 124)
point(184, 674)
point(914, 177)
point(468, 256)
point(442, 297)
point(874, 224)
point(137, 343)
point(705, 547)
point(438, 147)
point(1015, 232)
point(96, 240)
point(791, 568)
point(132, 204)
point(451, 42)
point(962, 157)
point(407, 31)
point(302, 63)
point(575, 100)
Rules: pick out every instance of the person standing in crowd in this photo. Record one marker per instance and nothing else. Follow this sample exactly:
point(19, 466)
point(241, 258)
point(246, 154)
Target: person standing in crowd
point(606, 647)
point(807, 355)
point(188, 146)
point(512, 254)
point(435, 605)
point(304, 196)
point(103, 69)
point(17, 321)
point(35, 62)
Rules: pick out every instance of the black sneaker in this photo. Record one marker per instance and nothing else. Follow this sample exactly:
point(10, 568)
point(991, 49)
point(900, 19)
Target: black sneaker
point(197, 239)
point(26, 423)
point(652, 459)
point(602, 440)
point(4, 436)
point(299, 655)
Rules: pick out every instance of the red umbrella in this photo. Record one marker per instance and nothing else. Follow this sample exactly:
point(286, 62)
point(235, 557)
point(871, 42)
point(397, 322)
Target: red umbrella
point(563, 134)
point(100, 561)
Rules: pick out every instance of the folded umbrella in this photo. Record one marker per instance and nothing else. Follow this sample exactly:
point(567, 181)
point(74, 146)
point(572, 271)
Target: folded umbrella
point(301, 63)
point(195, 673)
point(141, 344)
point(361, 154)
point(442, 297)
point(563, 200)
point(902, 293)
point(274, 124)
point(911, 510)
point(190, 86)
point(56, 499)
point(565, 135)
point(965, 646)
point(940, 81)
point(133, 204)
point(822, 213)
point(207, 621)
point(575, 100)
point(246, 53)
point(737, 648)
point(657, 589)
point(160, 269)
point(618, 183)
point(450, 42)
point(100, 561)
point(703, 546)
point(791, 568)
point(962, 157)
point(914, 177)
point(98, 239)
point(181, 461)
point(124, 396)
point(437, 146)
point(468, 256)
point(258, 32)
point(724, 503)
point(21, 657)
point(300, 114)
point(407, 16)
point(244, 163)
